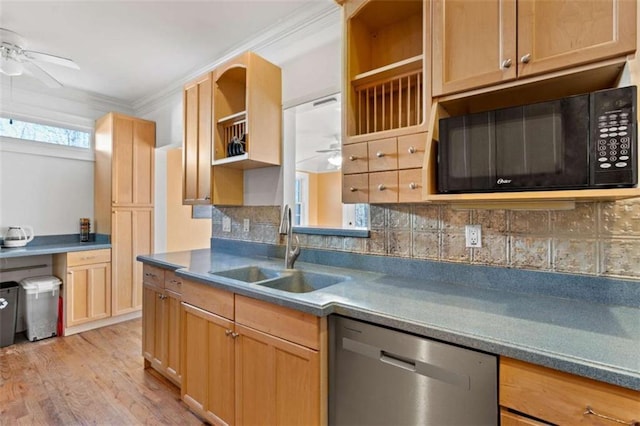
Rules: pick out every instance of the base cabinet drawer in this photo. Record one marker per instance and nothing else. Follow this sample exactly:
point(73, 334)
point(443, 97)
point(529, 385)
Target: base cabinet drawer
point(562, 398)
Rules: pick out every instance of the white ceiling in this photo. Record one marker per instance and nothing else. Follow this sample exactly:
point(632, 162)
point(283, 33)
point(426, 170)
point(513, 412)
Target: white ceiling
point(129, 50)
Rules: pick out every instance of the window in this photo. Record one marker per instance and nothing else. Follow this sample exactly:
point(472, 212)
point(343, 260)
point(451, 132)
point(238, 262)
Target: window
point(42, 133)
point(301, 209)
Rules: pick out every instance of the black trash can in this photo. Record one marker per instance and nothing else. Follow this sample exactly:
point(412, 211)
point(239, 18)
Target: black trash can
point(8, 312)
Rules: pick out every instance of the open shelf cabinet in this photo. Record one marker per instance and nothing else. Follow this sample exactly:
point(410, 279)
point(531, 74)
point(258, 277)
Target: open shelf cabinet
point(386, 53)
point(247, 113)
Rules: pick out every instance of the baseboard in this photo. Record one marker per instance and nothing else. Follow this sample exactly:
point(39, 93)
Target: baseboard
point(101, 323)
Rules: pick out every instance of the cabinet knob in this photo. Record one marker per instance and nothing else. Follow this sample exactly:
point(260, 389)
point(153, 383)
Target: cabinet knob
point(413, 185)
point(526, 58)
point(506, 63)
point(379, 154)
point(352, 189)
point(234, 335)
point(352, 158)
point(381, 187)
point(412, 150)
point(207, 198)
point(228, 332)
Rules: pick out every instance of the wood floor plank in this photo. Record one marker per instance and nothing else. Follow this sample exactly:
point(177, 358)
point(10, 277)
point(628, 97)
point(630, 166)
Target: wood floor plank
point(95, 377)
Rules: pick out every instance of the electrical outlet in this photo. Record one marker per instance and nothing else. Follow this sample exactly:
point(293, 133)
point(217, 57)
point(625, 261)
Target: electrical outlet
point(245, 227)
point(473, 235)
point(226, 224)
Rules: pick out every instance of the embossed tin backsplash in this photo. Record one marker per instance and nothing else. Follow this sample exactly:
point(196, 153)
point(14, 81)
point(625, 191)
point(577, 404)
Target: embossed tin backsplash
point(597, 238)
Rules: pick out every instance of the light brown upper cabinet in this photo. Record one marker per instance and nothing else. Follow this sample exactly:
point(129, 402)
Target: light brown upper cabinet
point(387, 49)
point(387, 97)
point(247, 113)
point(232, 122)
point(480, 43)
point(127, 144)
point(196, 153)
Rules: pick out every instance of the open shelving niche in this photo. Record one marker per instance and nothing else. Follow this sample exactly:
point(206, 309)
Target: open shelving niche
point(588, 78)
point(386, 69)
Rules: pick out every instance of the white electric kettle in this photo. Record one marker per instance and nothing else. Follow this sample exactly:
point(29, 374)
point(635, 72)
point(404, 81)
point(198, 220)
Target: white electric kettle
point(17, 236)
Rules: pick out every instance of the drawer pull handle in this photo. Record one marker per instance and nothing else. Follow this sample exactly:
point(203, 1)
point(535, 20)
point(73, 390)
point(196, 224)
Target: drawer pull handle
point(352, 158)
point(176, 282)
point(381, 187)
point(413, 185)
point(412, 150)
point(379, 154)
point(589, 410)
point(88, 257)
point(149, 274)
point(352, 189)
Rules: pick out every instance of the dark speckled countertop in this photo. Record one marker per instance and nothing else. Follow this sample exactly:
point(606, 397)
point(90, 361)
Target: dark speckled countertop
point(599, 340)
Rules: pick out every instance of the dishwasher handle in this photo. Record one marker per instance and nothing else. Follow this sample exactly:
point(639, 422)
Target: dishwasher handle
point(397, 361)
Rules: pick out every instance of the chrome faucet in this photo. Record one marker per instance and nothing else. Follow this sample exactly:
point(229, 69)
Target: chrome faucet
point(293, 247)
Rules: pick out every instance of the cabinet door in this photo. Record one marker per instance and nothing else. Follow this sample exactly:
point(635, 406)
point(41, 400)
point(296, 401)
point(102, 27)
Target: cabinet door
point(133, 159)
point(208, 355)
point(277, 382)
point(173, 323)
point(198, 97)
point(132, 235)
point(474, 44)
point(153, 326)
point(88, 293)
point(558, 34)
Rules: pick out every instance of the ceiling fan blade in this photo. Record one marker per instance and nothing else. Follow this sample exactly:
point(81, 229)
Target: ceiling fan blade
point(41, 75)
point(46, 57)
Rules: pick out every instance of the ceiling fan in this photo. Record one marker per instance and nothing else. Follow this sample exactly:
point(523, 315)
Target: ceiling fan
point(335, 159)
point(16, 60)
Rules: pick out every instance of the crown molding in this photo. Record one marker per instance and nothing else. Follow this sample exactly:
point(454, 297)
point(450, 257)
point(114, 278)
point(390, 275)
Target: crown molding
point(304, 22)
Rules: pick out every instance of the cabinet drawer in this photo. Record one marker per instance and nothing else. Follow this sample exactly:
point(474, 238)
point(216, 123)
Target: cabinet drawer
point(383, 187)
point(410, 185)
point(508, 418)
point(355, 158)
point(411, 151)
point(383, 155)
point(211, 299)
point(77, 258)
point(355, 188)
point(152, 275)
point(172, 282)
point(289, 324)
point(563, 398)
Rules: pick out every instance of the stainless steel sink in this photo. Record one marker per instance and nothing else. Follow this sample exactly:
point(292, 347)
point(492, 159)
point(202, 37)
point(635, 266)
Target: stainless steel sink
point(249, 274)
point(296, 281)
point(291, 280)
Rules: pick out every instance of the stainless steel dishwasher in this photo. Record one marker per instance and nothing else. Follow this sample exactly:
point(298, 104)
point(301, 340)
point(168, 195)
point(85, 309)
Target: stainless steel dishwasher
point(380, 376)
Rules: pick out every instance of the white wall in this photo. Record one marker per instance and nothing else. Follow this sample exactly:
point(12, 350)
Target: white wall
point(49, 193)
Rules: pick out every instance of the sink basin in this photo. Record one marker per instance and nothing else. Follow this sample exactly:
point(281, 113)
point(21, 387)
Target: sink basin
point(249, 274)
point(296, 281)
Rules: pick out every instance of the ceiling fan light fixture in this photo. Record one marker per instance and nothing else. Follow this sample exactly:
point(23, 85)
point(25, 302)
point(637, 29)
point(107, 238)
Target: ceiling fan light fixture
point(10, 67)
point(335, 159)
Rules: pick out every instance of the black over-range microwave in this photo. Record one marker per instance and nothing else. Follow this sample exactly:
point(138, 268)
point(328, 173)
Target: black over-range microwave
point(583, 141)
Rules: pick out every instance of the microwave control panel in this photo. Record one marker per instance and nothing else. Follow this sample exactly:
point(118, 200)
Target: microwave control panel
point(614, 145)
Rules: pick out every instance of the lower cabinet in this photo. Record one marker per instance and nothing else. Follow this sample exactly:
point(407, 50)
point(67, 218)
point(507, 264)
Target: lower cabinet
point(86, 285)
point(277, 382)
point(162, 322)
point(249, 362)
point(535, 395)
point(208, 349)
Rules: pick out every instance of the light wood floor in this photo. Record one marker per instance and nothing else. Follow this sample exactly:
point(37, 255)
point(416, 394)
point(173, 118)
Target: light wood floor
point(96, 377)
